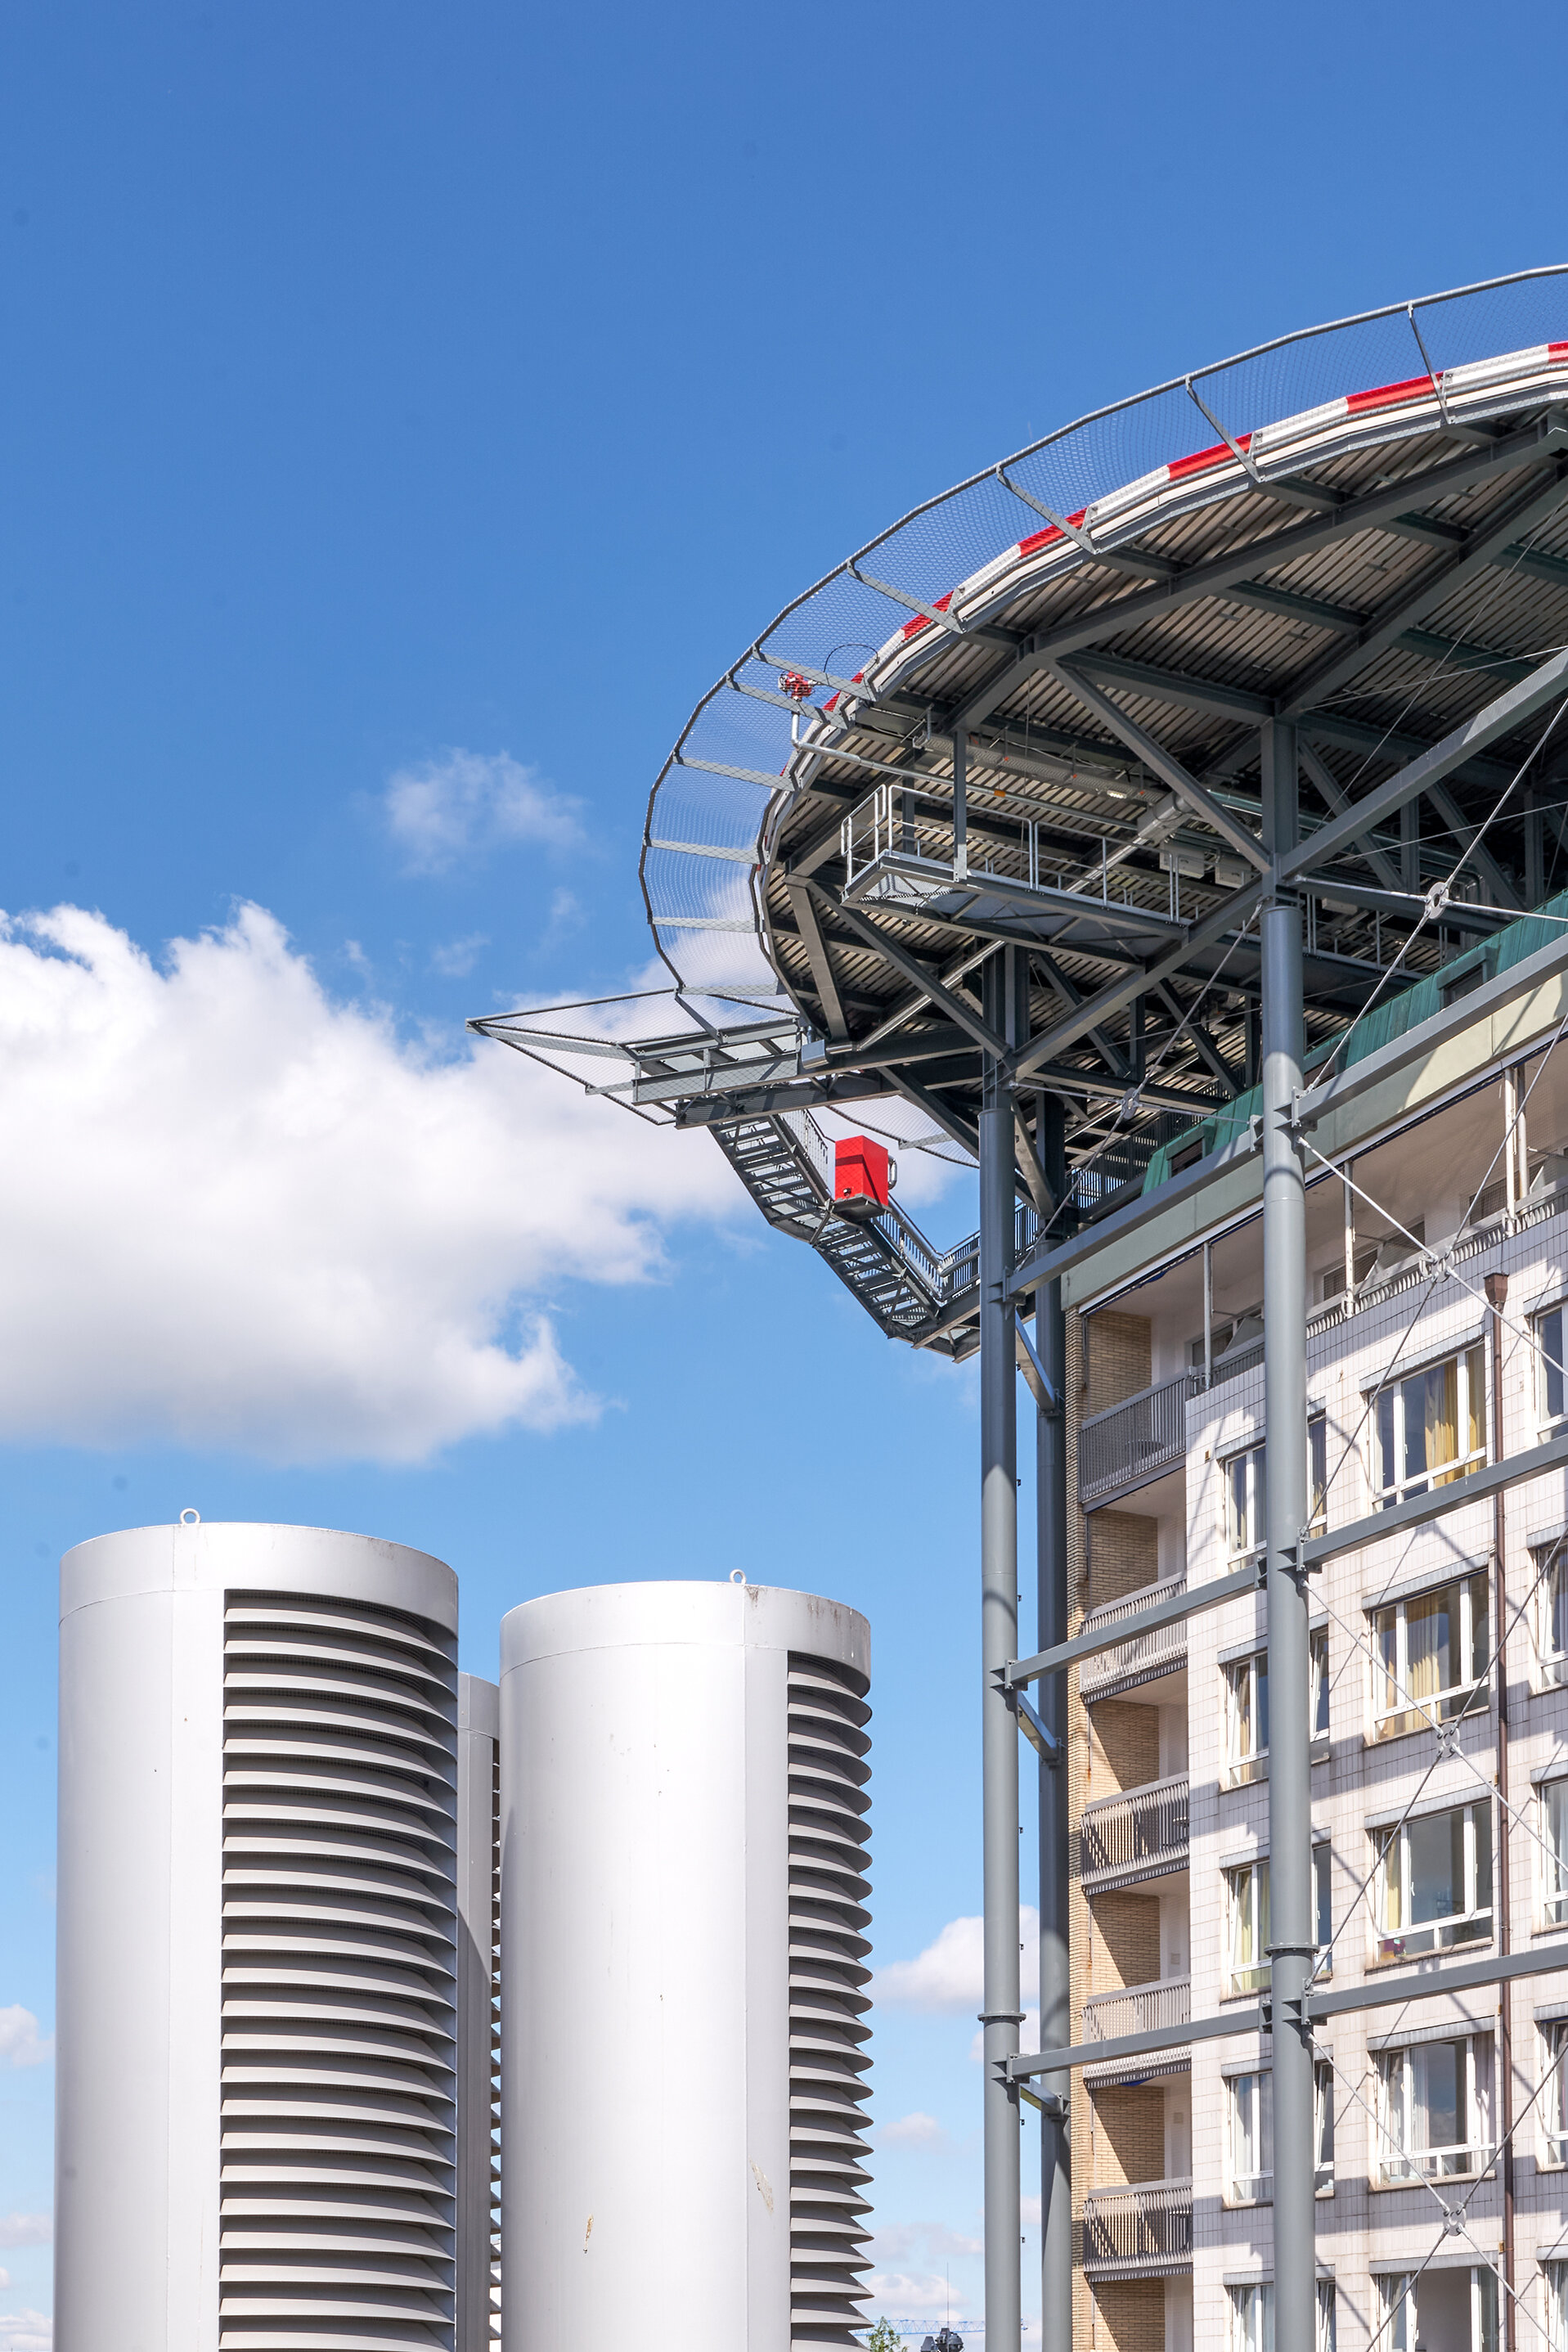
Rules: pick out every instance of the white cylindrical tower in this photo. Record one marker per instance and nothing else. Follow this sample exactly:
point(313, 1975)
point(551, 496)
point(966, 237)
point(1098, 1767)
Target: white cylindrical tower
point(478, 2012)
point(683, 1891)
point(257, 1899)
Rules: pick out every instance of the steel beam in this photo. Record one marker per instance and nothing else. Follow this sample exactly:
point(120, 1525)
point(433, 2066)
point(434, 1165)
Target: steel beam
point(1500, 717)
point(1097, 1009)
point(1483, 545)
point(1285, 1416)
point(1034, 2063)
point(1208, 1052)
point(1481, 857)
point(817, 956)
point(1001, 2012)
point(1494, 1479)
point(1089, 1644)
point(1165, 765)
point(1338, 801)
point(1382, 508)
point(1389, 1992)
point(1051, 1601)
point(910, 968)
point(1404, 906)
point(1423, 1984)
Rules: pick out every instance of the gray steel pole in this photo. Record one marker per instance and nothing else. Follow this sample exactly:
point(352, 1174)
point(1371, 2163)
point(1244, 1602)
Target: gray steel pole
point(1001, 2015)
point(1285, 1406)
point(1052, 1626)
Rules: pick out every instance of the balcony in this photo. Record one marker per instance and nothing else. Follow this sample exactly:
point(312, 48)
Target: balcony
point(1141, 1660)
point(1137, 2009)
point(1135, 1442)
point(1138, 2232)
point(1137, 1834)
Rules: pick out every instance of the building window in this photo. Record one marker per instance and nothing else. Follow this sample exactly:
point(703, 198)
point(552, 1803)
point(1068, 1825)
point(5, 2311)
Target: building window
point(1247, 1708)
point(1431, 1427)
point(1323, 1907)
point(1323, 2126)
point(1432, 1886)
point(1456, 2308)
point(1244, 1502)
point(1555, 2098)
point(1247, 1913)
point(1317, 1472)
point(1430, 1654)
point(1250, 2170)
point(1326, 2332)
point(1552, 1612)
point(1434, 2109)
point(1397, 2333)
point(1551, 1392)
point(1556, 2285)
point(1318, 1695)
point(1246, 1717)
point(1247, 1920)
point(1252, 2317)
point(1555, 1853)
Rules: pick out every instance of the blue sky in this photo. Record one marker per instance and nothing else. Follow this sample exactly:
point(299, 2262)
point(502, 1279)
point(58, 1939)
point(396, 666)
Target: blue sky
point(385, 384)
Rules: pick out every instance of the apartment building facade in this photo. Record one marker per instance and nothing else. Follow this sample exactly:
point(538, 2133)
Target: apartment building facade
point(1439, 1271)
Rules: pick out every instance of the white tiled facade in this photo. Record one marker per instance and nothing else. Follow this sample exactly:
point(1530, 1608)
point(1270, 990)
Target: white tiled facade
point(1365, 1776)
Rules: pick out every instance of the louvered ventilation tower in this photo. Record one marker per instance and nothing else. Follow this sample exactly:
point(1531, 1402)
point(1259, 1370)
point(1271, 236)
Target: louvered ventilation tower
point(258, 1926)
point(683, 1915)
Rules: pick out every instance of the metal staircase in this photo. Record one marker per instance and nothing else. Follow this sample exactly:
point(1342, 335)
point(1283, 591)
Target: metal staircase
point(927, 1296)
point(913, 1292)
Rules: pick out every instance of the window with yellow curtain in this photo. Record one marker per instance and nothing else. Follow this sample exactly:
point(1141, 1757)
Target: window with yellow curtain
point(1431, 1651)
point(1431, 1426)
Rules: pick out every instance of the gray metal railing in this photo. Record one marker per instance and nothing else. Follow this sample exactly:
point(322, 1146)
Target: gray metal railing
point(1135, 1832)
point(1162, 1651)
point(1147, 2225)
point(1135, 1440)
point(1137, 2009)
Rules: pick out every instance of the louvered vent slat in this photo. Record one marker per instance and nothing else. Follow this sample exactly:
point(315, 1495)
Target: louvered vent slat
point(340, 1926)
point(828, 1998)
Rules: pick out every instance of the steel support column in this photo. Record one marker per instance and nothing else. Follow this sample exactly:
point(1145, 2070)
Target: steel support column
point(1285, 1406)
point(1050, 1626)
point(1002, 2011)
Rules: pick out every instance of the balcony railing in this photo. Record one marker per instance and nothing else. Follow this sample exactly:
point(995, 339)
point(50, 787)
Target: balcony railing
point(1135, 1440)
point(1137, 1834)
point(1162, 1651)
point(1137, 2009)
point(1146, 2228)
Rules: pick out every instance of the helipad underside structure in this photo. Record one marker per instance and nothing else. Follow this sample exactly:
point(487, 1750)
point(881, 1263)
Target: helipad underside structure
point(1079, 821)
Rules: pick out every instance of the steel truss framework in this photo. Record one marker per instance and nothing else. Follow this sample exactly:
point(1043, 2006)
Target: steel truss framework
point(1127, 822)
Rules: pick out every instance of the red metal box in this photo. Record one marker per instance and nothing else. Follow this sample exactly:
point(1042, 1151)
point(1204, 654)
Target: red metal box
point(862, 1173)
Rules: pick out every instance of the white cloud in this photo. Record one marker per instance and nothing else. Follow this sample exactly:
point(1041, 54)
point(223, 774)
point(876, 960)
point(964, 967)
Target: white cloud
point(21, 2044)
point(249, 1215)
point(456, 960)
point(934, 2240)
point(566, 916)
point(456, 809)
point(948, 1976)
point(25, 2331)
point(916, 2130)
point(27, 2228)
point(915, 2300)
